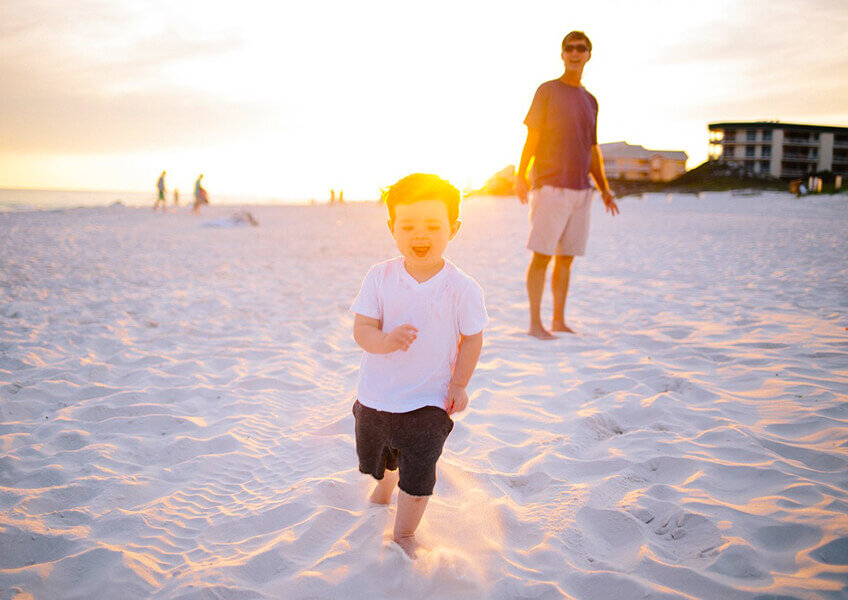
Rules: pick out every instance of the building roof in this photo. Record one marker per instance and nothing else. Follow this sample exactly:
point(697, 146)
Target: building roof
point(777, 125)
point(625, 150)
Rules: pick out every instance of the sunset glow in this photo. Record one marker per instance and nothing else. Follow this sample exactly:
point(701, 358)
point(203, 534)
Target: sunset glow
point(291, 100)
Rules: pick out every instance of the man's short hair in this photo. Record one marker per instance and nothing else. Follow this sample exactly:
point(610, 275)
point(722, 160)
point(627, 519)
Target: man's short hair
point(422, 186)
point(574, 36)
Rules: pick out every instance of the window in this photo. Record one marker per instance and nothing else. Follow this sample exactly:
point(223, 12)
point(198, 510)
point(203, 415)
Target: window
point(765, 151)
point(751, 135)
point(730, 135)
point(749, 151)
point(765, 166)
point(767, 135)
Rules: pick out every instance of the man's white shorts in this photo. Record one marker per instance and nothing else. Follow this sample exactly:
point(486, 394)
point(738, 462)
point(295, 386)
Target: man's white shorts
point(559, 221)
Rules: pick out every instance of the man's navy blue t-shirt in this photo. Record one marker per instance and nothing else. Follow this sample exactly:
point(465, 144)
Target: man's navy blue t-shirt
point(567, 119)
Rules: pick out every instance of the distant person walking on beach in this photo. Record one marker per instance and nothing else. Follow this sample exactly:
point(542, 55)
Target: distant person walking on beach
point(420, 321)
point(562, 139)
point(176, 197)
point(200, 195)
point(160, 188)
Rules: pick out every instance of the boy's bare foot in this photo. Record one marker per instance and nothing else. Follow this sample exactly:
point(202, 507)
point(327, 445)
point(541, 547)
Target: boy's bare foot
point(540, 333)
point(382, 493)
point(409, 545)
point(561, 326)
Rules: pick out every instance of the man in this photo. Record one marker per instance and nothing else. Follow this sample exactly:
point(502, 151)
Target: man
point(563, 143)
point(160, 187)
point(200, 195)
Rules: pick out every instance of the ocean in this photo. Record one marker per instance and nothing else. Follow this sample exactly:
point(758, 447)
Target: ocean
point(30, 199)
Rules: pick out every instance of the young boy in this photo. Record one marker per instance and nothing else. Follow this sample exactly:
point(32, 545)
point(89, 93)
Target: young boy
point(420, 321)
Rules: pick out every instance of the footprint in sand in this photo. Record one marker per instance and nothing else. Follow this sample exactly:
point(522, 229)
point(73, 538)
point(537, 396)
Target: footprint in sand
point(832, 553)
point(793, 536)
point(597, 428)
point(683, 534)
point(522, 487)
point(69, 440)
point(739, 561)
point(22, 549)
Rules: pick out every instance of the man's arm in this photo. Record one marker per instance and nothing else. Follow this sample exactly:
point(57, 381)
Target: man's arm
point(466, 360)
point(596, 168)
point(528, 152)
point(368, 333)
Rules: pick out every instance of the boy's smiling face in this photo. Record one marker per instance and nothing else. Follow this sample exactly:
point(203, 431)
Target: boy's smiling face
point(422, 231)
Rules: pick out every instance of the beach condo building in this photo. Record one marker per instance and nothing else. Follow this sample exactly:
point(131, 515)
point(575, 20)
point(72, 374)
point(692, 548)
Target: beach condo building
point(626, 161)
point(785, 150)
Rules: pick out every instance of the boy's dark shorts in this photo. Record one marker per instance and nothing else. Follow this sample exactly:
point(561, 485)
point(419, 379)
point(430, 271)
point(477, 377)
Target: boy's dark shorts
point(411, 441)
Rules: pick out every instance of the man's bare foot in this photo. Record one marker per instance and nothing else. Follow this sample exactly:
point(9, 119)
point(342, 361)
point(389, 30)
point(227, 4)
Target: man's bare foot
point(561, 326)
point(540, 333)
point(409, 545)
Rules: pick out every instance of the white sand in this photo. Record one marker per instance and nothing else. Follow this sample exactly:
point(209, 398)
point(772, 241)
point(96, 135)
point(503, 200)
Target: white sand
point(175, 409)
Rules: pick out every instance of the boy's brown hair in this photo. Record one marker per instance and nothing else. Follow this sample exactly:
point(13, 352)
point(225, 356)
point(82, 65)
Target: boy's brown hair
point(422, 186)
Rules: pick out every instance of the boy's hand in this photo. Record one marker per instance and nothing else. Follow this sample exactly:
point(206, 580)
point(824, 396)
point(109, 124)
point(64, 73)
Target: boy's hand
point(400, 338)
point(456, 400)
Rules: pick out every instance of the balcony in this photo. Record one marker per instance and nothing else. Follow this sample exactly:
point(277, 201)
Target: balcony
point(797, 167)
point(794, 141)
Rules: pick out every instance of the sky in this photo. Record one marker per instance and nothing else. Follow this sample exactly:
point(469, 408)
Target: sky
point(290, 99)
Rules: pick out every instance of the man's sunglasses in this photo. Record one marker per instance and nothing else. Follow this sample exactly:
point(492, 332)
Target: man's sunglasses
point(579, 47)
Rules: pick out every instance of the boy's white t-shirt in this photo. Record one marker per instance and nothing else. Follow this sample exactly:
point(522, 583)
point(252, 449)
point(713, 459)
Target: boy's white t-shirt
point(447, 305)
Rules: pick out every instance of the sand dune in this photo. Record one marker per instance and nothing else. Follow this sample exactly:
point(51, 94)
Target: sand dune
point(175, 409)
